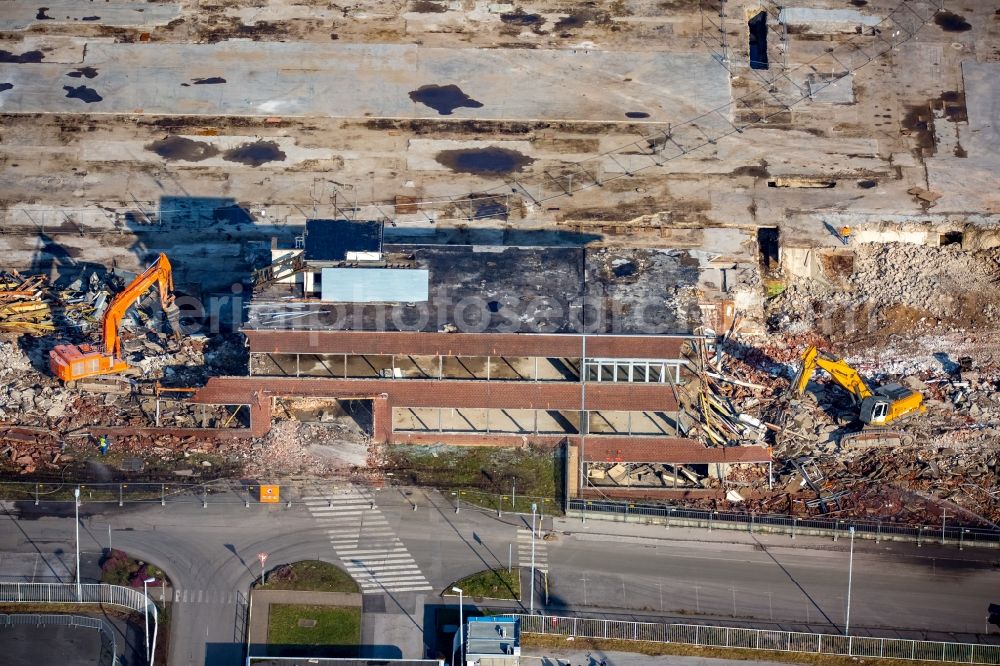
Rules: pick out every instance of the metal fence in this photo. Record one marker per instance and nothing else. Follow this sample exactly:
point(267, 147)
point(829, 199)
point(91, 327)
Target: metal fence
point(865, 529)
point(762, 639)
point(109, 651)
point(89, 593)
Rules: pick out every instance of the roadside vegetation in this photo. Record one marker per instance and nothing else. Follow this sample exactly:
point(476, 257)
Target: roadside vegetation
point(484, 475)
point(489, 584)
point(309, 575)
point(661, 649)
point(118, 568)
point(336, 628)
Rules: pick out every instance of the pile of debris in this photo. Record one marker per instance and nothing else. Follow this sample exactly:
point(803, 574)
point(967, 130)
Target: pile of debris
point(293, 447)
point(900, 286)
point(722, 403)
point(24, 306)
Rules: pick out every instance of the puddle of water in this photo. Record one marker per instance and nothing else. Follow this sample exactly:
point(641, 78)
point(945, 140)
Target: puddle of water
point(89, 72)
point(636, 114)
point(256, 153)
point(484, 161)
point(6, 86)
point(519, 17)
point(951, 22)
point(88, 95)
point(91, 18)
point(625, 269)
point(443, 99)
point(867, 184)
point(20, 58)
point(208, 81)
point(859, 3)
point(181, 148)
point(42, 16)
point(427, 7)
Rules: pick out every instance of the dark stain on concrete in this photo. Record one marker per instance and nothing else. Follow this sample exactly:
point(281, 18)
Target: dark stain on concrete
point(21, 58)
point(6, 86)
point(636, 114)
point(490, 161)
point(428, 7)
point(255, 154)
point(443, 99)
point(88, 95)
point(180, 148)
point(208, 81)
point(42, 16)
point(951, 22)
point(520, 17)
point(88, 72)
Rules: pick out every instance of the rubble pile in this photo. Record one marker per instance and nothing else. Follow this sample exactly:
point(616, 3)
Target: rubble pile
point(23, 305)
point(293, 447)
point(895, 285)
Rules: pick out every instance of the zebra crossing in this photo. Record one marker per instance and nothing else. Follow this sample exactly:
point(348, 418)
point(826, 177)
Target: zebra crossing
point(524, 549)
point(202, 596)
point(366, 544)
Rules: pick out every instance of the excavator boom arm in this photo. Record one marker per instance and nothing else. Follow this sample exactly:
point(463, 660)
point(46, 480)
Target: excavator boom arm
point(844, 375)
point(159, 273)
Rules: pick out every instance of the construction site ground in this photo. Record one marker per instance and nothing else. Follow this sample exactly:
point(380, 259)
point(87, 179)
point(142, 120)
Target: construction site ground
point(208, 130)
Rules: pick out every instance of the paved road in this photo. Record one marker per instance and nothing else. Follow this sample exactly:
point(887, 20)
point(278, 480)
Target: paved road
point(401, 556)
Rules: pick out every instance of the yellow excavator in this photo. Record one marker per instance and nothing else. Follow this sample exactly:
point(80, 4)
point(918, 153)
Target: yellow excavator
point(878, 407)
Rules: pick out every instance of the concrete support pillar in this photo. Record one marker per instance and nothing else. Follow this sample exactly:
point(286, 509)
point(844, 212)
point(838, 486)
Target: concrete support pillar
point(382, 419)
point(572, 477)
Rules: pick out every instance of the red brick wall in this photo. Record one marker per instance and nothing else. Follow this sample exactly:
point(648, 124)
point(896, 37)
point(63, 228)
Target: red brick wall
point(445, 393)
point(461, 344)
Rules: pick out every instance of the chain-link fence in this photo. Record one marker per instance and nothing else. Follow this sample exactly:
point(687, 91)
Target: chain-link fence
point(109, 651)
point(762, 639)
point(865, 529)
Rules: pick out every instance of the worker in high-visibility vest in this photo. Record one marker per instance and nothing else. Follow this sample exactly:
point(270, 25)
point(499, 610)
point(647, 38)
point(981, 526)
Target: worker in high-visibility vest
point(104, 445)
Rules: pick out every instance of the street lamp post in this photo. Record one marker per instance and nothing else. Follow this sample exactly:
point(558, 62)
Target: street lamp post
point(534, 510)
point(850, 577)
point(461, 626)
point(145, 593)
point(76, 506)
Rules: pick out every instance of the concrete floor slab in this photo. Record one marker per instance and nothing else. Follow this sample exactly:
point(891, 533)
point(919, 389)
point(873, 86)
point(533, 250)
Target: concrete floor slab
point(20, 14)
point(291, 79)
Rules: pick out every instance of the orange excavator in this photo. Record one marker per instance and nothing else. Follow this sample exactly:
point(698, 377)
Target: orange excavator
point(72, 362)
